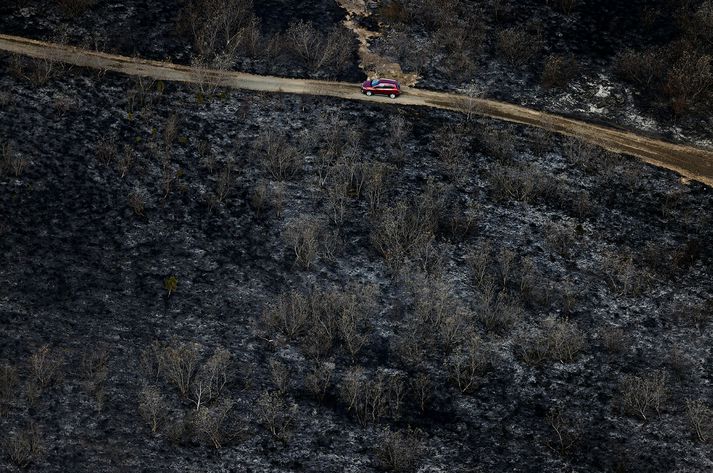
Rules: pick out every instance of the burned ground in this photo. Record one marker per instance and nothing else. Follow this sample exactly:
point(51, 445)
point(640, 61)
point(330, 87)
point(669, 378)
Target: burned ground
point(212, 280)
point(518, 292)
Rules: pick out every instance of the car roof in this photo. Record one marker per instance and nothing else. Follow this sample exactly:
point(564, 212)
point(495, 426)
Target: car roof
point(388, 81)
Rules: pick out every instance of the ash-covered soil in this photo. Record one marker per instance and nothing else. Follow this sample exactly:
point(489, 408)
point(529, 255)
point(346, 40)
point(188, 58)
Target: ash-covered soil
point(163, 31)
point(457, 46)
point(468, 295)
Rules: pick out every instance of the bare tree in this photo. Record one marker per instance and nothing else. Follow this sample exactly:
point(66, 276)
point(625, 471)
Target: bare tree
point(422, 387)
point(211, 378)
point(178, 363)
point(152, 407)
point(468, 364)
point(700, 417)
point(277, 415)
point(213, 422)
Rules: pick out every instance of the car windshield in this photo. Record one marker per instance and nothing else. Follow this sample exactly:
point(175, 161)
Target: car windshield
point(375, 82)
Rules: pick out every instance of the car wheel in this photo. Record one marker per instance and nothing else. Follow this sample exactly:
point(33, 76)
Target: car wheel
point(368, 93)
point(393, 96)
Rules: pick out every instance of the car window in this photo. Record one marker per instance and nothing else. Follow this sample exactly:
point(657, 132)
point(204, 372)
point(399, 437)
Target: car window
point(375, 82)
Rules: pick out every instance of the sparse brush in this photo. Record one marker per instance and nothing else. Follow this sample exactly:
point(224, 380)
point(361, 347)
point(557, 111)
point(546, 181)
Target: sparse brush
point(400, 451)
point(24, 447)
point(152, 407)
point(644, 395)
point(700, 418)
point(277, 415)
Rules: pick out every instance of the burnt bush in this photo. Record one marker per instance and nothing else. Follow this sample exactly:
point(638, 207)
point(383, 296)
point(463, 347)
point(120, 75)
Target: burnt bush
point(558, 71)
point(553, 340)
point(518, 46)
point(645, 395)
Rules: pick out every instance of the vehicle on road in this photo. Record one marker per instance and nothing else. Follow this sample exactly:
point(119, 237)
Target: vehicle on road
point(388, 87)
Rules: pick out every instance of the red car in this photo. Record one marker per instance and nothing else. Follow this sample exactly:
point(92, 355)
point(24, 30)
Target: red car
point(381, 87)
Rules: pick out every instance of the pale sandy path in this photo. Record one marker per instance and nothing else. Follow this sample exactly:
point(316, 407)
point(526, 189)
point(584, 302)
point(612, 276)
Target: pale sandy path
point(691, 162)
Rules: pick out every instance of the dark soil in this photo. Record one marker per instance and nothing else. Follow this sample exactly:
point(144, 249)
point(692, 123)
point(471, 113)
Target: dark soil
point(81, 271)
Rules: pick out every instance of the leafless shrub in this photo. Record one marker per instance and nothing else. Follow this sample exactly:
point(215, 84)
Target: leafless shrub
point(23, 447)
point(276, 415)
point(106, 150)
point(137, 202)
point(541, 141)
point(700, 418)
point(375, 186)
point(217, 26)
point(303, 236)
point(480, 261)
point(519, 183)
point(95, 370)
point(211, 378)
point(434, 302)
point(560, 238)
point(75, 7)
point(623, 275)
point(126, 161)
point(46, 366)
point(400, 451)
point(366, 396)
point(152, 407)
point(584, 155)
point(518, 46)
point(279, 157)
point(319, 379)
point(468, 364)
point(567, 431)
point(559, 71)
point(289, 314)
point(317, 50)
point(554, 339)
point(614, 339)
point(498, 314)
point(399, 132)
point(452, 147)
point(224, 184)
point(499, 142)
point(643, 68)
point(565, 6)
point(178, 363)
point(355, 307)
point(688, 80)
point(643, 395)
point(422, 388)
point(8, 385)
point(213, 422)
point(403, 230)
point(280, 376)
point(697, 315)
point(10, 160)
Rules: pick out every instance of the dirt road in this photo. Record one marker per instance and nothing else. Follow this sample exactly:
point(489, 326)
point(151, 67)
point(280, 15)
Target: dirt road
point(691, 162)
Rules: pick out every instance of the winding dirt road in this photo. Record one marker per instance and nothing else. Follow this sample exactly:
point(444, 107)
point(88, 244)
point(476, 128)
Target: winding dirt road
point(691, 162)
